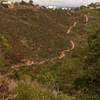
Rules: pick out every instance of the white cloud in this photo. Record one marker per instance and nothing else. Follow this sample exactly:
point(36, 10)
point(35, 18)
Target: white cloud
point(64, 2)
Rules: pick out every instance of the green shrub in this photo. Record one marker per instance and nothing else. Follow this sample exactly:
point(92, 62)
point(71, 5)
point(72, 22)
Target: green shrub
point(26, 90)
point(4, 42)
point(49, 78)
point(3, 67)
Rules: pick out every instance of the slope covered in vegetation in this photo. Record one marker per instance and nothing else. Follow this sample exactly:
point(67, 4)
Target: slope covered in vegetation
point(57, 49)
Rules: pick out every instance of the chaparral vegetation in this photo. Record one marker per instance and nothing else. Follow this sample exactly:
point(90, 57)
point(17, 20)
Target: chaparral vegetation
point(49, 54)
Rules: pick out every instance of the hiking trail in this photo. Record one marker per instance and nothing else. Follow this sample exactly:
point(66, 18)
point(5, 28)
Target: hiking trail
point(31, 62)
point(71, 27)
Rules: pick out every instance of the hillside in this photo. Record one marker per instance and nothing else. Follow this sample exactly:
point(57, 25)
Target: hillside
point(50, 46)
point(29, 31)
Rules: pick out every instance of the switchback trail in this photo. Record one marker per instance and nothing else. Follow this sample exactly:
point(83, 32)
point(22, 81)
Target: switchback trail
point(59, 57)
point(62, 54)
point(32, 62)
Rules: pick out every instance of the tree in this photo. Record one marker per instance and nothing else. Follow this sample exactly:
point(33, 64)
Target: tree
point(23, 2)
point(93, 43)
point(31, 2)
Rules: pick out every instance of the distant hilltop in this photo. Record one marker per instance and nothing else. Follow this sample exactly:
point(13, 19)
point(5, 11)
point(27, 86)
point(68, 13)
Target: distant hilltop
point(94, 5)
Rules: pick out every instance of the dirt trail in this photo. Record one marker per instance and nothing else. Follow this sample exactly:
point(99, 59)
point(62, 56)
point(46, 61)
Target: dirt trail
point(71, 27)
point(59, 57)
point(32, 62)
point(62, 54)
point(29, 62)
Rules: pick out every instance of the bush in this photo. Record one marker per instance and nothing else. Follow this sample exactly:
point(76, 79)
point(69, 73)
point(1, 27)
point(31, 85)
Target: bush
point(27, 90)
point(49, 78)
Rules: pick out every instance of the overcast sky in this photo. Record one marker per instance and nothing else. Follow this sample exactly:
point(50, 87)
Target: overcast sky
point(64, 2)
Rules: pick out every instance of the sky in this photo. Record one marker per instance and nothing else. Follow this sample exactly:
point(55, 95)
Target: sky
point(64, 3)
